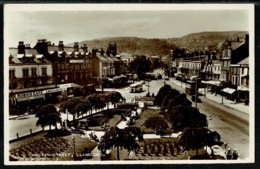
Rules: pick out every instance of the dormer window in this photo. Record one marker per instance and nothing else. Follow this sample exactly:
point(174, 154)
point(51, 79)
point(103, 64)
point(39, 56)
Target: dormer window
point(10, 59)
point(40, 58)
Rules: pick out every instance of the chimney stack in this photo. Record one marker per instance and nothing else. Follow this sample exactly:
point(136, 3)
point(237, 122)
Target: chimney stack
point(21, 48)
point(61, 46)
point(76, 46)
point(85, 48)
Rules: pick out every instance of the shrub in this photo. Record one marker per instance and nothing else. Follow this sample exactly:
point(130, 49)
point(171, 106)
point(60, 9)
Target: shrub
point(156, 122)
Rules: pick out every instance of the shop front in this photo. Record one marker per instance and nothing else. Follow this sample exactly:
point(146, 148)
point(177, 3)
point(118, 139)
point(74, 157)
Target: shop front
point(53, 95)
point(27, 101)
point(243, 94)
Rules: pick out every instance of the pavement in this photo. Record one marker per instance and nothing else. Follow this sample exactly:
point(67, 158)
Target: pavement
point(217, 98)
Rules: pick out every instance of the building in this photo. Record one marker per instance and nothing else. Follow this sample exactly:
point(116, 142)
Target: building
point(233, 52)
point(30, 78)
point(240, 78)
point(72, 66)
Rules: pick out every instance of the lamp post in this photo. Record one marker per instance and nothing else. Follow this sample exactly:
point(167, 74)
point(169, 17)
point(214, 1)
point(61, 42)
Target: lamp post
point(74, 150)
point(196, 92)
point(222, 94)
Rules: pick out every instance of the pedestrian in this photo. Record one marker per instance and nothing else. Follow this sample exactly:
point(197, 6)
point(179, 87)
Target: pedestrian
point(235, 155)
point(212, 154)
point(229, 154)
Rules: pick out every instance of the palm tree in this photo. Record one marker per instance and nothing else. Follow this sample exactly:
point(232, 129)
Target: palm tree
point(48, 116)
point(124, 138)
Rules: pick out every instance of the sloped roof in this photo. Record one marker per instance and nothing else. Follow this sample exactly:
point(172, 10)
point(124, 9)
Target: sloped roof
point(102, 58)
point(244, 61)
point(28, 52)
point(109, 58)
point(235, 45)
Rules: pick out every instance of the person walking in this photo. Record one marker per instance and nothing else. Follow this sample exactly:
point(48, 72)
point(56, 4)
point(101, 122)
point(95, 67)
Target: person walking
point(229, 154)
point(235, 155)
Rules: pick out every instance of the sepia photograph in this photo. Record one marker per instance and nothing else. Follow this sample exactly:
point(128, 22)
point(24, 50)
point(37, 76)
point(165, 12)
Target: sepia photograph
point(129, 84)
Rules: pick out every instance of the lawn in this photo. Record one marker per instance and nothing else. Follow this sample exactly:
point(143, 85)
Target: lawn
point(146, 114)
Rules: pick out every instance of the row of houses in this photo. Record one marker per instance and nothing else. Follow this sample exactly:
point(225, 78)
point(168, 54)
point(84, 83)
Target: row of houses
point(226, 72)
point(47, 72)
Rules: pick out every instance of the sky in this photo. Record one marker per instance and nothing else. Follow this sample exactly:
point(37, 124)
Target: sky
point(71, 23)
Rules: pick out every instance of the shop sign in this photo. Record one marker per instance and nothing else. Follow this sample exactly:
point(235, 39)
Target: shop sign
point(29, 94)
point(65, 85)
point(68, 85)
point(53, 90)
point(76, 61)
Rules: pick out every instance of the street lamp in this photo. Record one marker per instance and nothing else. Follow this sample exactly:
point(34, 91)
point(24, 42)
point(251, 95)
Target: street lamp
point(222, 94)
point(74, 150)
point(196, 92)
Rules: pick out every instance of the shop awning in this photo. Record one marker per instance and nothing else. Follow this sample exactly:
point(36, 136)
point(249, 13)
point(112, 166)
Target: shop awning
point(212, 82)
point(68, 85)
point(228, 90)
point(30, 98)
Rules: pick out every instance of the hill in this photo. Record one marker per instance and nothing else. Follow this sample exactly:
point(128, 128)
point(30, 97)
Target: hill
point(135, 45)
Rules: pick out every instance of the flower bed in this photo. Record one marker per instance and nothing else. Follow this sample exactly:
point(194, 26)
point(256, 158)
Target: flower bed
point(44, 148)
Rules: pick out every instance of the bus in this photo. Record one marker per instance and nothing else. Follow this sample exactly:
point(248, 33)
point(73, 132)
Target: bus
point(136, 87)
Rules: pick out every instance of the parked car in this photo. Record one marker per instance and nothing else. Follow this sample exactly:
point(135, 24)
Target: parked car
point(218, 151)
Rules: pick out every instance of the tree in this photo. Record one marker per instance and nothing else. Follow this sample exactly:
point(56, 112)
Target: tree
point(48, 116)
point(70, 106)
point(83, 106)
point(197, 138)
point(171, 95)
point(183, 116)
point(124, 138)
point(96, 101)
point(156, 122)
point(161, 95)
point(139, 65)
point(193, 138)
point(180, 99)
point(114, 97)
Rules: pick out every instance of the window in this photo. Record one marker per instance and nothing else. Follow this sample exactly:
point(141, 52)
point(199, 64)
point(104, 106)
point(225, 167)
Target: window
point(243, 71)
point(12, 73)
point(33, 71)
point(25, 72)
point(12, 85)
point(44, 71)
